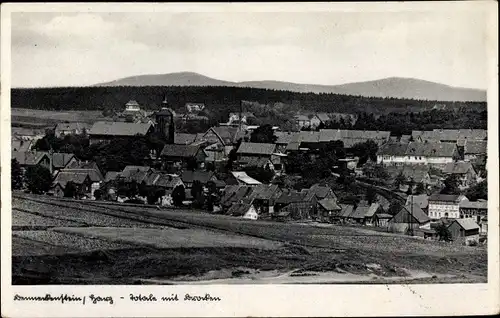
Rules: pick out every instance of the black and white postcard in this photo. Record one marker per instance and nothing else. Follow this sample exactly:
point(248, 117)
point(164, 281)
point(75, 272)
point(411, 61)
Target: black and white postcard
point(249, 159)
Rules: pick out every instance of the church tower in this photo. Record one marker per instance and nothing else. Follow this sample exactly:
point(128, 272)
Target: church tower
point(165, 122)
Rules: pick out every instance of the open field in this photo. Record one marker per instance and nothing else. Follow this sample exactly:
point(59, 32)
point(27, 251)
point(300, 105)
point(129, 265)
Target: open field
point(178, 244)
point(38, 117)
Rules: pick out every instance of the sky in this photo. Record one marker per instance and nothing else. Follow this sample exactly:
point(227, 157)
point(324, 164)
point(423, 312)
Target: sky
point(86, 48)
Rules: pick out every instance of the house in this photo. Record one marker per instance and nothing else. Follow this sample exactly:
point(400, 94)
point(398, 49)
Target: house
point(103, 131)
point(437, 154)
point(316, 193)
point(474, 149)
point(352, 137)
point(225, 137)
point(445, 206)
point(81, 180)
point(32, 158)
point(303, 120)
point(409, 217)
point(188, 177)
point(235, 119)
point(415, 173)
point(464, 231)
point(165, 181)
point(91, 169)
point(328, 210)
point(132, 106)
point(464, 171)
point(181, 155)
point(364, 213)
point(457, 136)
point(111, 176)
point(381, 219)
point(242, 178)
point(293, 205)
point(194, 107)
point(63, 129)
point(255, 150)
point(244, 210)
point(264, 198)
point(475, 210)
point(135, 173)
point(393, 153)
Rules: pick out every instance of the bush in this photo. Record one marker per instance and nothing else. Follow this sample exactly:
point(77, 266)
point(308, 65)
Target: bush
point(38, 179)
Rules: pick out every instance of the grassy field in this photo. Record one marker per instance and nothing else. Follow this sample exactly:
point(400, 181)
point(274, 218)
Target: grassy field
point(165, 244)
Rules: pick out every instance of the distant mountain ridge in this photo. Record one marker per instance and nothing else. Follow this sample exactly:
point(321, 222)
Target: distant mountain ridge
point(395, 87)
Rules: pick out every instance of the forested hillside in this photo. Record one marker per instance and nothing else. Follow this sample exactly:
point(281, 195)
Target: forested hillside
point(101, 98)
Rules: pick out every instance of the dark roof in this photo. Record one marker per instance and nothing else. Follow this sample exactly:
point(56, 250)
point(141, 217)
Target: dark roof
point(360, 212)
point(290, 196)
point(347, 210)
point(415, 172)
point(256, 148)
point(254, 161)
point(475, 147)
point(264, 191)
point(184, 139)
point(239, 209)
point(403, 216)
point(188, 176)
point(129, 170)
point(180, 151)
point(229, 135)
point(466, 224)
point(320, 191)
point(235, 193)
point(445, 197)
point(461, 167)
point(393, 149)
point(29, 158)
point(114, 128)
point(164, 111)
point(431, 149)
point(329, 204)
point(111, 175)
point(95, 175)
point(63, 177)
point(60, 160)
point(284, 138)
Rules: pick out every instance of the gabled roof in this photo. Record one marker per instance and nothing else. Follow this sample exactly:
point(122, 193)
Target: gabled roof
point(466, 224)
point(188, 176)
point(347, 210)
point(446, 197)
point(329, 204)
point(383, 216)
point(431, 149)
point(167, 181)
point(60, 160)
point(302, 117)
point(115, 128)
point(372, 210)
point(475, 147)
point(309, 136)
point(264, 191)
point(235, 193)
point(180, 151)
point(320, 191)
point(403, 216)
point(360, 212)
point(256, 148)
point(227, 135)
point(461, 167)
point(29, 158)
point(63, 177)
point(290, 196)
point(111, 175)
point(21, 145)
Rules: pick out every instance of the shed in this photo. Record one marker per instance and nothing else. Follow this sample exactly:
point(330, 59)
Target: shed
point(464, 231)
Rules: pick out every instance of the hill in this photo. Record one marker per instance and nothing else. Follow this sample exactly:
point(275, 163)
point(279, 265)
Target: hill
point(394, 87)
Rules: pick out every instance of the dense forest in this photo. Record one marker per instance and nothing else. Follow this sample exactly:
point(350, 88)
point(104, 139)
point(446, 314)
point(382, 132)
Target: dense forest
point(227, 98)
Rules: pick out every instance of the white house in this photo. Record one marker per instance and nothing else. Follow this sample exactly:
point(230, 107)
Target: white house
point(392, 153)
point(244, 210)
point(445, 206)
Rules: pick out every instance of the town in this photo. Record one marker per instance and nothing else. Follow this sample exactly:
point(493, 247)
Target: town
point(429, 184)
